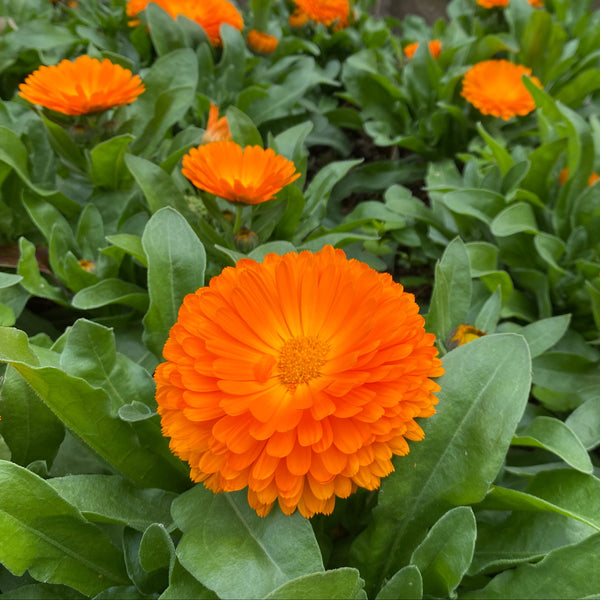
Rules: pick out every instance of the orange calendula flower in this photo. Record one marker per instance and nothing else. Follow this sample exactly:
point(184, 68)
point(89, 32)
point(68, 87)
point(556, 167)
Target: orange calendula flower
point(85, 85)
point(435, 47)
point(495, 88)
point(494, 3)
point(217, 129)
point(209, 14)
point(564, 176)
point(298, 378)
point(250, 175)
point(328, 12)
point(464, 334)
point(262, 42)
point(298, 18)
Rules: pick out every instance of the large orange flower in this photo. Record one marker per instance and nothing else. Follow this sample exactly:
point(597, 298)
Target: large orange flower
point(328, 12)
point(209, 14)
point(250, 175)
point(82, 86)
point(495, 88)
point(299, 378)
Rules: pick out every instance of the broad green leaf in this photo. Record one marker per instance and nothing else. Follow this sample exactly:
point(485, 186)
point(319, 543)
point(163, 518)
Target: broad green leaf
point(564, 491)
point(488, 316)
point(243, 130)
point(543, 334)
point(503, 158)
point(132, 244)
point(481, 204)
point(584, 421)
point(111, 291)
point(42, 591)
point(516, 218)
point(484, 392)
point(274, 549)
point(114, 499)
point(9, 279)
point(156, 548)
point(444, 556)
point(183, 586)
point(164, 30)
point(568, 572)
point(553, 435)
point(406, 583)
point(451, 296)
point(157, 186)
point(29, 427)
point(176, 264)
point(339, 584)
point(45, 535)
point(108, 168)
point(138, 452)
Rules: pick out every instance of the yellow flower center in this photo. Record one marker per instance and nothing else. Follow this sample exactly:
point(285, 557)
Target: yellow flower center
point(300, 360)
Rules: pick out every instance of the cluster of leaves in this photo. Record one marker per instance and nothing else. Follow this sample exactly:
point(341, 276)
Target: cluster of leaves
point(101, 237)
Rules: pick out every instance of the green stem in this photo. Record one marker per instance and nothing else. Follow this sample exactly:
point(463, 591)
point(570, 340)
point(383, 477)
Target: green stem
point(238, 218)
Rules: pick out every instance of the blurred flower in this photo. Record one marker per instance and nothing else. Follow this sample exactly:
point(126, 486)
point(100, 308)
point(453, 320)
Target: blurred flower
point(564, 176)
point(250, 175)
point(87, 265)
point(298, 18)
point(262, 42)
point(217, 129)
point(328, 12)
point(435, 47)
point(245, 240)
point(495, 88)
point(209, 14)
point(82, 86)
point(494, 3)
point(464, 334)
point(298, 377)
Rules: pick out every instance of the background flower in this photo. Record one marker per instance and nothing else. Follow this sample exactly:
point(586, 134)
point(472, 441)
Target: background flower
point(250, 175)
point(82, 86)
point(495, 88)
point(328, 12)
point(217, 129)
point(262, 42)
point(435, 47)
point(299, 377)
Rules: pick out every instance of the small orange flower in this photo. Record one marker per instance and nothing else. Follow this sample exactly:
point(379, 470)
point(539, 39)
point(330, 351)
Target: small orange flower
point(217, 129)
point(209, 14)
point(82, 86)
point(564, 176)
point(298, 18)
point(492, 3)
point(435, 47)
point(464, 334)
point(495, 88)
point(328, 12)
point(250, 175)
point(262, 42)
point(298, 378)
point(87, 265)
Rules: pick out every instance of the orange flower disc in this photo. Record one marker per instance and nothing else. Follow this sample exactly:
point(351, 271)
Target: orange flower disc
point(250, 175)
point(209, 14)
point(495, 88)
point(435, 47)
point(82, 86)
point(262, 42)
point(328, 12)
point(297, 378)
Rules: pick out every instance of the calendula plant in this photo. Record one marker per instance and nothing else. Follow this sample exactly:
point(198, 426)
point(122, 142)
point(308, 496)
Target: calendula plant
point(251, 349)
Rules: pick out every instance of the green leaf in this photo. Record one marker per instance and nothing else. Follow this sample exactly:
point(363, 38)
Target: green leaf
point(9, 279)
point(44, 534)
point(156, 548)
point(42, 591)
point(488, 316)
point(516, 218)
point(243, 130)
point(132, 244)
point(543, 334)
point(579, 87)
point(481, 204)
point(274, 549)
point(451, 296)
point(405, 583)
point(164, 30)
point(28, 426)
point(114, 499)
point(111, 291)
point(176, 264)
point(584, 421)
point(339, 584)
point(503, 159)
point(139, 451)
point(157, 186)
point(553, 435)
point(64, 146)
point(568, 572)
point(108, 168)
point(183, 586)
point(484, 392)
point(444, 556)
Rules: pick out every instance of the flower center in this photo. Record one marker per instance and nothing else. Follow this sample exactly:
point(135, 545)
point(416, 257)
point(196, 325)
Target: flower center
point(300, 360)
